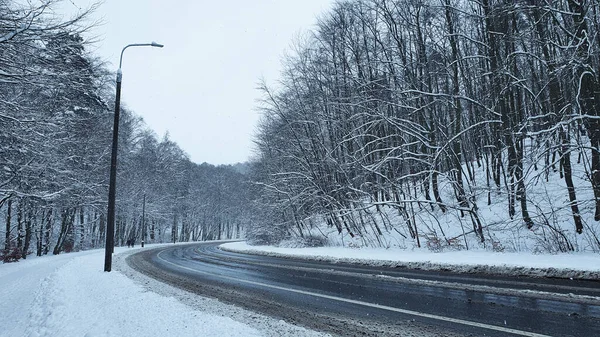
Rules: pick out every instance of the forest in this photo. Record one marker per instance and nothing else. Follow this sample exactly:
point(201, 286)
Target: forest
point(446, 124)
point(443, 124)
point(56, 113)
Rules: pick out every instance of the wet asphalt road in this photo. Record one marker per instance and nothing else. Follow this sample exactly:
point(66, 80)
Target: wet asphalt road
point(357, 300)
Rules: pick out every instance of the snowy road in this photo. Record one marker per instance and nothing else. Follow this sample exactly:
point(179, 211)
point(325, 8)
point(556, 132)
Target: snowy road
point(354, 300)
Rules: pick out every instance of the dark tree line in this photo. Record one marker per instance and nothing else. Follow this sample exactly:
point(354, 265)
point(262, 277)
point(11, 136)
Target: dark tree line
point(434, 108)
point(56, 103)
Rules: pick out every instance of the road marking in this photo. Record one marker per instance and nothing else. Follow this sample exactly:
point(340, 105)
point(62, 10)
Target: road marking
point(366, 304)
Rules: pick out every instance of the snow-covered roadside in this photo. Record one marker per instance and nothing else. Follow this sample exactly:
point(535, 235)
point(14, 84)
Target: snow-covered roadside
point(70, 295)
point(574, 265)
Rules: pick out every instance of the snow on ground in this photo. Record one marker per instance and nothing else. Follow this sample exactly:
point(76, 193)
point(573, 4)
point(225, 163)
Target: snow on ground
point(70, 295)
point(577, 265)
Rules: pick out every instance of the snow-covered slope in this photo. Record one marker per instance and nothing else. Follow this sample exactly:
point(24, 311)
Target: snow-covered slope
point(548, 204)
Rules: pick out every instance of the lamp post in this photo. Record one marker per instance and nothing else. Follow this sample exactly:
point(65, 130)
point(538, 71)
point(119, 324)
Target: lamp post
point(110, 225)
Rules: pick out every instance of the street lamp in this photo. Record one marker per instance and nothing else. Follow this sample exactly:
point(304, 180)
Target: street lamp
point(110, 225)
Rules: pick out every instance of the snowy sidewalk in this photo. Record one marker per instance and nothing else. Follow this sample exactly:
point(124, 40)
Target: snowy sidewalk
point(568, 265)
point(70, 295)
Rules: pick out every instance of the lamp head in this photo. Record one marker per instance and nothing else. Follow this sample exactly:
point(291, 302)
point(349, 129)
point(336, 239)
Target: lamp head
point(154, 44)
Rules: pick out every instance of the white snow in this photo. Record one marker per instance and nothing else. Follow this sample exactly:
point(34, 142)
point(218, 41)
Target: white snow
point(577, 264)
point(70, 295)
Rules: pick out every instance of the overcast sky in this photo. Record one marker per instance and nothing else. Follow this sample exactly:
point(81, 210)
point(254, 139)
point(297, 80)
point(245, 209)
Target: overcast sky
point(201, 87)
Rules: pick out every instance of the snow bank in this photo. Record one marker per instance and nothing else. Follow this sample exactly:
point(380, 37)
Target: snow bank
point(567, 265)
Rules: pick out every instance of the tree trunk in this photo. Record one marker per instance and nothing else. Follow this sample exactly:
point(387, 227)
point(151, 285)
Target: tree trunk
point(81, 229)
point(566, 163)
point(456, 145)
point(65, 239)
point(28, 232)
point(20, 224)
point(47, 230)
point(174, 229)
point(7, 240)
point(589, 94)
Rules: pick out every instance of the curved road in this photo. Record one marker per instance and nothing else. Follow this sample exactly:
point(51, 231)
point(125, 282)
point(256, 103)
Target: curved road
point(372, 301)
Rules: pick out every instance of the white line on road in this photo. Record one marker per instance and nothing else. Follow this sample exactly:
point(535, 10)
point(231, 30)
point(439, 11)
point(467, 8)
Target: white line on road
point(367, 304)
